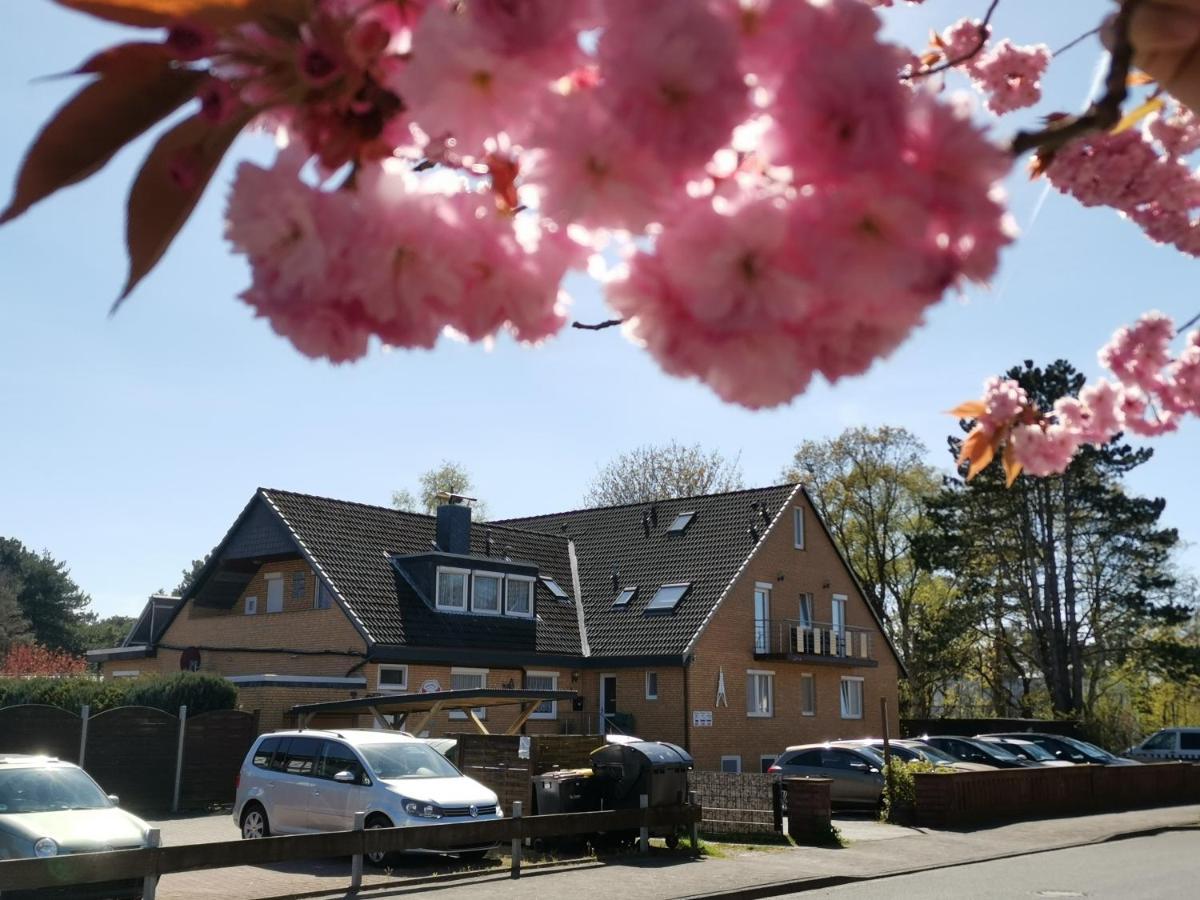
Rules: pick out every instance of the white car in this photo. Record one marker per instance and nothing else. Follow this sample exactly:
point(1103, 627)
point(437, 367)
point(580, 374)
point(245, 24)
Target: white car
point(294, 782)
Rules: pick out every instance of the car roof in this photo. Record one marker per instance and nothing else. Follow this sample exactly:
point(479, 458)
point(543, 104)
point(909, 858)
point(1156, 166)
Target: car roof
point(30, 760)
point(826, 745)
point(351, 735)
point(1002, 738)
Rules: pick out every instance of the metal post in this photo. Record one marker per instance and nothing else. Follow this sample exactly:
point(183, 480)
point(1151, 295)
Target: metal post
point(694, 801)
point(516, 841)
point(150, 882)
point(644, 831)
point(356, 861)
point(84, 714)
point(179, 758)
point(887, 756)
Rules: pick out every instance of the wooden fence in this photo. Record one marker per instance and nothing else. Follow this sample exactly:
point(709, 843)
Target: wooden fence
point(497, 760)
point(154, 862)
point(737, 803)
point(153, 760)
point(979, 798)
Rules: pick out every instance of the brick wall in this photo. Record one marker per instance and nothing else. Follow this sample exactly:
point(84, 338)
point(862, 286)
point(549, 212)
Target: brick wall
point(728, 644)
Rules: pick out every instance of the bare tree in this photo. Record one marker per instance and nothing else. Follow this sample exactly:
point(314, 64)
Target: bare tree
point(659, 471)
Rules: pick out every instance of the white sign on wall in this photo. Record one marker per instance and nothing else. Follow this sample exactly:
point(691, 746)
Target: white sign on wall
point(702, 718)
point(431, 686)
point(523, 747)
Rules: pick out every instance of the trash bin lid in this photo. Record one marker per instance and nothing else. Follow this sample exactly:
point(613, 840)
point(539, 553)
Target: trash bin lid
point(657, 753)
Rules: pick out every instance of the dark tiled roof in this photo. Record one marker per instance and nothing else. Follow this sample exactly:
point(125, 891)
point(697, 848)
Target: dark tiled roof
point(708, 554)
point(352, 543)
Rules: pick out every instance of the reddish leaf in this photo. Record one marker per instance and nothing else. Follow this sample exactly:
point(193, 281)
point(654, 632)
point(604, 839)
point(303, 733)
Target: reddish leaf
point(93, 125)
point(978, 449)
point(168, 187)
point(162, 13)
point(1012, 468)
point(972, 409)
point(126, 59)
point(504, 171)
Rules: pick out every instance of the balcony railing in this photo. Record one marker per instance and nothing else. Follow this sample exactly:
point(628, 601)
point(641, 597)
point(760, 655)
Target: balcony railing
point(783, 638)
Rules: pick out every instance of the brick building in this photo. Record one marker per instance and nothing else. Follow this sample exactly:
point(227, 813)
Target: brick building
point(727, 623)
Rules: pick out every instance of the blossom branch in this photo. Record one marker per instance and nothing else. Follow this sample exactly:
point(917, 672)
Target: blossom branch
point(598, 326)
point(1101, 115)
point(985, 32)
point(1079, 40)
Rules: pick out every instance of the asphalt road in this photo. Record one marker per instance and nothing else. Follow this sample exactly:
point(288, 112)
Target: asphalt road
point(1163, 866)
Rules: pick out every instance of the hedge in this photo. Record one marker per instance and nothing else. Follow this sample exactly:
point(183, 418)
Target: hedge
point(898, 808)
point(197, 691)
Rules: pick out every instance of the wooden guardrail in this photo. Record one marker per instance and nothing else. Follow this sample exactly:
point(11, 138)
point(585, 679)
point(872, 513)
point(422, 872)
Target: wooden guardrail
point(152, 862)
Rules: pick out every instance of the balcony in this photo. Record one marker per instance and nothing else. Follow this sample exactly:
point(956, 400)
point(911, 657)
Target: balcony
point(813, 642)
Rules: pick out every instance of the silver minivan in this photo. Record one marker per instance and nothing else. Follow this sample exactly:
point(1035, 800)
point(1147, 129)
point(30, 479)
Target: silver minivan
point(1168, 744)
point(293, 782)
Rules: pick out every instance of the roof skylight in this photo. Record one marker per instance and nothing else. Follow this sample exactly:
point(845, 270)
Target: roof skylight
point(625, 596)
point(553, 587)
point(667, 597)
point(681, 522)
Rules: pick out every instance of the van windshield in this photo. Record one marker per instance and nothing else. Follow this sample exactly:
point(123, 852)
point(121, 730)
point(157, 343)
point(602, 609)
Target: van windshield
point(404, 760)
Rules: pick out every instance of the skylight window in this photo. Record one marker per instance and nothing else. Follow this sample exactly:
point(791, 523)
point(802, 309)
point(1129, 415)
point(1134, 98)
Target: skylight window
point(667, 597)
point(553, 587)
point(682, 521)
point(625, 596)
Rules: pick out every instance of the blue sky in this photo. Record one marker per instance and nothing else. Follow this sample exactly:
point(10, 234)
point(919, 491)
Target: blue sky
point(128, 445)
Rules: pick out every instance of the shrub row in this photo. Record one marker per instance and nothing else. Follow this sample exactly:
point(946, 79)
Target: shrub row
point(197, 691)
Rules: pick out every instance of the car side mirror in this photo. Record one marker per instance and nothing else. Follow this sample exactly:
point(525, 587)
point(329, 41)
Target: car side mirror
point(345, 777)
point(114, 799)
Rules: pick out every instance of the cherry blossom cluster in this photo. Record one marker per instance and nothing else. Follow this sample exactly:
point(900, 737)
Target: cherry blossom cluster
point(1151, 389)
point(1142, 173)
point(1007, 75)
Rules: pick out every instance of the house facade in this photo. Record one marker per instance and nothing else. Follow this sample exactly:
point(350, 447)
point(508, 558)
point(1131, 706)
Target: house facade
point(726, 623)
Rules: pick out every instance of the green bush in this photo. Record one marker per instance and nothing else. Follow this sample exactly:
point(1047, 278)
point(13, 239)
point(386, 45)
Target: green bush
point(898, 808)
point(199, 692)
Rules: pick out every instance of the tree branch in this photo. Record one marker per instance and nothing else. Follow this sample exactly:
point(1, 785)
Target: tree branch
point(598, 326)
point(1101, 115)
point(985, 32)
point(1079, 40)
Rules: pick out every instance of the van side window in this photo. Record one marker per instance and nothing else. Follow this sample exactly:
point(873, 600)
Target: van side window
point(266, 749)
point(302, 756)
point(1189, 740)
point(279, 760)
point(336, 758)
point(1162, 741)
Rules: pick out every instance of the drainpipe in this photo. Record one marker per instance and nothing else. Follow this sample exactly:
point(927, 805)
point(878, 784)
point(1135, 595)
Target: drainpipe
point(687, 708)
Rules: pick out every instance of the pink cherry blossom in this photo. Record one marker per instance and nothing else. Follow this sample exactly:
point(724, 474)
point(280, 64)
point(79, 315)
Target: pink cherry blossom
point(1176, 130)
point(1004, 400)
point(1043, 449)
point(1137, 354)
point(1010, 76)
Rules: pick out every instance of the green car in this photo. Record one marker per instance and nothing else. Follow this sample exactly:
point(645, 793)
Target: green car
point(50, 808)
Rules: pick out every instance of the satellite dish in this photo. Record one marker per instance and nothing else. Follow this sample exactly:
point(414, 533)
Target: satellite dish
point(189, 660)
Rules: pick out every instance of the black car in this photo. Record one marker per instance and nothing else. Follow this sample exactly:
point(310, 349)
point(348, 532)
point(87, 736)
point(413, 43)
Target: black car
point(1069, 749)
point(969, 750)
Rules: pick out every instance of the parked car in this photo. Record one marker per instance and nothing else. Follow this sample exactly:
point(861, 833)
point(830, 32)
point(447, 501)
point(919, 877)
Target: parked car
point(969, 750)
point(856, 771)
point(1027, 750)
point(914, 751)
point(1167, 744)
point(294, 782)
point(50, 808)
point(1069, 748)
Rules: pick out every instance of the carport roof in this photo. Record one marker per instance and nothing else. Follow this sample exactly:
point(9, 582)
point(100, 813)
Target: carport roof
point(469, 698)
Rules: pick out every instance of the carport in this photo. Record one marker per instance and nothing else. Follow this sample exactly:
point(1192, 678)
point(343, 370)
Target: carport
point(404, 706)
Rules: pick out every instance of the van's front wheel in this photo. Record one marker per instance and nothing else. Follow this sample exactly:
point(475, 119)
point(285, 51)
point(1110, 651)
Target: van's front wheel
point(380, 858)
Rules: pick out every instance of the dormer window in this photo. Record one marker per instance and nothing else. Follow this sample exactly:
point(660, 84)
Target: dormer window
point(553, 587)
point(452, 589)
point(518, 596)
point(486, 588)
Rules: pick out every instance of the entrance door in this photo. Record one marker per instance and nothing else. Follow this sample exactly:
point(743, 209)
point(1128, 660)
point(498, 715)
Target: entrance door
point(608, 701)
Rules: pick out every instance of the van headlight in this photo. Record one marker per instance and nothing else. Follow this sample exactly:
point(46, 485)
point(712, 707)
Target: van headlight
point(419, 810)
point(45, 847)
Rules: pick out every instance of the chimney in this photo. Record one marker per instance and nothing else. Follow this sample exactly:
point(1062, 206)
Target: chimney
point(454, 523)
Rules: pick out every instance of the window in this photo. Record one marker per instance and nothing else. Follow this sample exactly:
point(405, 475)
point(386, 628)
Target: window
point(1163, 741)
point(806, 639)
point(667, 597)
point(852, 698)
point(838, 610)
point(731, 764)
point(298, 585)
point(553, 587)
point(543, 681)
point(126, 673)
point(651, 685)
point(302, 756)
point(762, 618)
point(808, 695)
point(393, 678)
point(251, 606)
point(625, 596)
point(324, 596)
point(518, 596)
point(274, 593)
point(336, 758)
point(760, 690)
point(832, 758)
point(682, 521)
point(485, 593)
point(1189, 740)
point(278, 761)
point(765, 762)
point(452, 589)
point(798, 527)
point(465, 680)
point(264, 752)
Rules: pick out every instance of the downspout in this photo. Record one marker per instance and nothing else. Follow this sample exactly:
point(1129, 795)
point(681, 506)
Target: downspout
point(584, 647)
point(687, 708)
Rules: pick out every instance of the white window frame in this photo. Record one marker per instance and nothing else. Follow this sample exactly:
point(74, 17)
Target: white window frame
point(480, 711)
point(251, 606)
point(500, 593)
point(811, 679)
point(751, 676)
point(273, 578)
point(532, 582)
point(391, 688)
point(762, 627)
point(798, 527)
point(842, 696)
point(736, 759)
point(837, 623)
point(125, 673)
point(652, 695)
point(552, 713)
point(437, 589)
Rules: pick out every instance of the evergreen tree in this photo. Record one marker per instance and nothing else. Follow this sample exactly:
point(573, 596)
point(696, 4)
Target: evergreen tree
point(49, 600)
